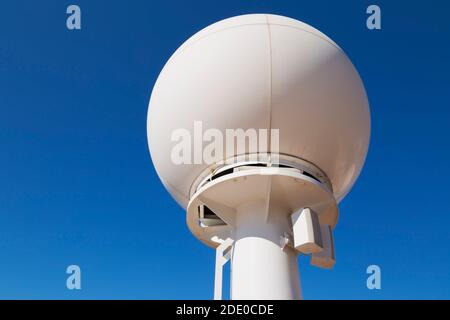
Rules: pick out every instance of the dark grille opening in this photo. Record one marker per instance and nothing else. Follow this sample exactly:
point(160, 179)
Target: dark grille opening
point(310, 175)
point(208, 218)
point(231, 170)
point(221, 174)
point(281, 166)
point(209, 214)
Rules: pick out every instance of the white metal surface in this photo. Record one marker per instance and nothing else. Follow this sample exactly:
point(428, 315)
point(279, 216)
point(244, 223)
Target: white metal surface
point(223, 255)
point(306, 231)
point(256, 204)
point(325, 258)
point(259, 268)
point(280, 187)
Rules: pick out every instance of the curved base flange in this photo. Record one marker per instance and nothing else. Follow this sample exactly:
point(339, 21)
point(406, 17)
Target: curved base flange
point(286, 189)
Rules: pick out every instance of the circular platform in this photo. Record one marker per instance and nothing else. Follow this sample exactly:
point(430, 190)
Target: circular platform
point(212, 210)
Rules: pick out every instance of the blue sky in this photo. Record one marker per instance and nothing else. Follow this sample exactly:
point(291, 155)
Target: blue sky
point(76, 181)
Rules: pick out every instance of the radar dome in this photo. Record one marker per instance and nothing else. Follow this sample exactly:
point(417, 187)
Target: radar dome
point(262, 71)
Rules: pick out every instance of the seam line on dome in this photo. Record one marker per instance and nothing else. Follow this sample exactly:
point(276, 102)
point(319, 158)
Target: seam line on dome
point(312, 33)
point(254, 24)
point(270, 84)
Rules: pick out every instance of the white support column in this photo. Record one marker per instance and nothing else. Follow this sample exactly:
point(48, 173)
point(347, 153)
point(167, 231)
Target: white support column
point(221, 260)
point(261, 269)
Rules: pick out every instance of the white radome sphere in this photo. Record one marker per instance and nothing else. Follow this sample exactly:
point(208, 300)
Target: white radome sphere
point(262, 71)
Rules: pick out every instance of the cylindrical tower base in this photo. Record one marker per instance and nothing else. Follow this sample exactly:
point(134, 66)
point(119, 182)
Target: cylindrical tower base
point(260, 268)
